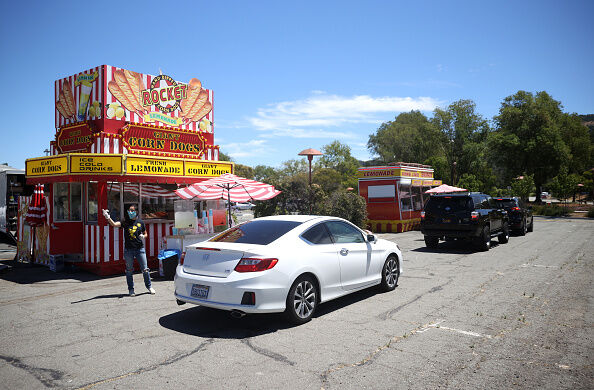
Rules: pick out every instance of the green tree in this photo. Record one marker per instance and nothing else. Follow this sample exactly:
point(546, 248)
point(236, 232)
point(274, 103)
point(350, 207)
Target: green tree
point(528, 138)
point(224, 156)
point(411, 137)
point(523, 186)
point(563, 185)
point(577, 138)
point(337, 156)
point(244, 171)
point(463, 141)
point(470, 182)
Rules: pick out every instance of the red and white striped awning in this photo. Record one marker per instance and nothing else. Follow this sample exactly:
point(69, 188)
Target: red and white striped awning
point(229, 187)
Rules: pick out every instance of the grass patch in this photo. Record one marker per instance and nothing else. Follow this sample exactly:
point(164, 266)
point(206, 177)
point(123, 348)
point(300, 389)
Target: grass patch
point(550, 210)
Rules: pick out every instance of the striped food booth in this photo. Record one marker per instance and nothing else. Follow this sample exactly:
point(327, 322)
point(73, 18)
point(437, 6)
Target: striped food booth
point(121, 138)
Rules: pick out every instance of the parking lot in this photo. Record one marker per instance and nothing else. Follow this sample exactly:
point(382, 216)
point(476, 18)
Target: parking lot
point(517, 316)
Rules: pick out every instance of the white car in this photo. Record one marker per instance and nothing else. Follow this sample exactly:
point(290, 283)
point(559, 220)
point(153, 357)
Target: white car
point(286, 263)
point(243, 206)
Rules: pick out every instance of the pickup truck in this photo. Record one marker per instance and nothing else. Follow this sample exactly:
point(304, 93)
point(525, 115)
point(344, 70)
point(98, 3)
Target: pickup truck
point(474, 217)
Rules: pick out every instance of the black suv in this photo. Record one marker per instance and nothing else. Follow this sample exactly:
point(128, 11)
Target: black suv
point(520, 216)
point(472, 216)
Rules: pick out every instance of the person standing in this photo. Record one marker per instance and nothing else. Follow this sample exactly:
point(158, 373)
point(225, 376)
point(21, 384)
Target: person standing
point(134, 235)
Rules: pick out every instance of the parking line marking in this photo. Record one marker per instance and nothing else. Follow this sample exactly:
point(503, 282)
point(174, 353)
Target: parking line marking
point(437, 325)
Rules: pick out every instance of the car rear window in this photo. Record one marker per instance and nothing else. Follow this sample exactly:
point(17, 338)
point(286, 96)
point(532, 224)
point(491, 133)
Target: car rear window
point(256, 232)
point(505, 203)
point(448, 204)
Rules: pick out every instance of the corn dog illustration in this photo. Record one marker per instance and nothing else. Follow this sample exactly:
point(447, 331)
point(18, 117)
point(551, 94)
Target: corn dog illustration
point(136, 84)
point(202, 98)
point(62, 100)
point(61, 109)
point(120, 79)
point(68, 98)
point(205, 109)
point(117, 92)
point(194, 88)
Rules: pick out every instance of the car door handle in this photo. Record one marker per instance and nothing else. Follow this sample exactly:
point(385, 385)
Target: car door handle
point(344, 251)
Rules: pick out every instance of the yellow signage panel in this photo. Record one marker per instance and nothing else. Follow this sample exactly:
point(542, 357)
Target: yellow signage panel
point(49, 166)
point(207, 168)
point(154, 167)
point(96, 164)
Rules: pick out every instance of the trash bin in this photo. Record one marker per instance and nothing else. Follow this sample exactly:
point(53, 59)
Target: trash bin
point(168, 260)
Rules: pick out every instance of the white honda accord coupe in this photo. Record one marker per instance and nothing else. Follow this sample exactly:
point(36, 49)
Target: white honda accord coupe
point(286, 263)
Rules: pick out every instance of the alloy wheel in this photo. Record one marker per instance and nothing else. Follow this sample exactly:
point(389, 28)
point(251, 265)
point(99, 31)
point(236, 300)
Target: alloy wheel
point(391, 272)
point(304, 299)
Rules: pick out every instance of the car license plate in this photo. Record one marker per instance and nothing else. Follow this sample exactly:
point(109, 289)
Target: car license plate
point(200, 291)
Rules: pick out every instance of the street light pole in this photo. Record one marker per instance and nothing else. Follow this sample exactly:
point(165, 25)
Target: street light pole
point(310, 153)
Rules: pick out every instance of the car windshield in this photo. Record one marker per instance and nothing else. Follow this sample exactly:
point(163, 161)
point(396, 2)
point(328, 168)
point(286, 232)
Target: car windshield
point(448, 203)
point(505, 203)
point(260, 232)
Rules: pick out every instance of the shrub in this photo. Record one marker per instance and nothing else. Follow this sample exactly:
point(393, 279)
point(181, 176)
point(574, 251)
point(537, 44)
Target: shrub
point(552, 210)
point(347, 205)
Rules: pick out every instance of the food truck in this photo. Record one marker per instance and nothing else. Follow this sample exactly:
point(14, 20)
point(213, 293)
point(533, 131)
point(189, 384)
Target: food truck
point(395, 195)
point(121, 137)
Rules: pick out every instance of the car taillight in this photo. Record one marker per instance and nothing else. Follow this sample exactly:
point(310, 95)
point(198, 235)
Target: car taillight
point(474, 215)
point(181, 258)
point(422, 215)
point(515, 209)
point(251, 264)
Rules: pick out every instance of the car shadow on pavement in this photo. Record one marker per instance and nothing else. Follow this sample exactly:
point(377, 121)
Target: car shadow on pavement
point(211, 323)
point(26, 273)
point(109, 296)
point(455, 247)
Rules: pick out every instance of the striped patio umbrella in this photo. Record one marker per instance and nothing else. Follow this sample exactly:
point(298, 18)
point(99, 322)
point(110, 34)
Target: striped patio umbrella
point(36, 214)
point(37, 211)
point(230, 187)
point(444, 188)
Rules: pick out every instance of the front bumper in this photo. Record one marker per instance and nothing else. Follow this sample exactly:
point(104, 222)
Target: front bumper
point(270, 290)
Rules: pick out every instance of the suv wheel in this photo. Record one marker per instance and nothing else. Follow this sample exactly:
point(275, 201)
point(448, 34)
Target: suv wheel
point(484, 240)
point(504, 236)
point(523, 228)
point(431, 242)
point(531, 226)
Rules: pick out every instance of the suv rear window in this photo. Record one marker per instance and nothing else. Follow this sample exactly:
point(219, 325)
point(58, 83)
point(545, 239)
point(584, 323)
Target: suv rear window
point(448, 204)
point(256, 232)
point(505, 203)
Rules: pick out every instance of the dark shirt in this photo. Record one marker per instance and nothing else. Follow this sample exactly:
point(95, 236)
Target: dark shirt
point(132, 231)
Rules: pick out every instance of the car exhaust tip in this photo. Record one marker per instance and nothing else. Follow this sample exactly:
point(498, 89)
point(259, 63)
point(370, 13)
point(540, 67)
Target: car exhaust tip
point(237, 314)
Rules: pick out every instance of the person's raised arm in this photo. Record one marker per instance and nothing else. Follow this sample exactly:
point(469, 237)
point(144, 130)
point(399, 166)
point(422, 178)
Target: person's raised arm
point(109, 220)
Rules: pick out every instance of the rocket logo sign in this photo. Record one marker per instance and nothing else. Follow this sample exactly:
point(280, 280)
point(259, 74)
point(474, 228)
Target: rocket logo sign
point(165, 94)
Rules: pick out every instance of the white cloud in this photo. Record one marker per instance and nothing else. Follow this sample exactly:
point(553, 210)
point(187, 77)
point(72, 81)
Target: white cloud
point(256, 147)
point(322, 111)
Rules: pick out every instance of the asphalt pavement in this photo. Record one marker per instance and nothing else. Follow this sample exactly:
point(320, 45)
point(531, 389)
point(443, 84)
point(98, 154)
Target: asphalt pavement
point(517, 316)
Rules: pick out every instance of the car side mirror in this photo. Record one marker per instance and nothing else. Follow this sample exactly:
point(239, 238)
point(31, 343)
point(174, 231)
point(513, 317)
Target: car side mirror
point(370, 238)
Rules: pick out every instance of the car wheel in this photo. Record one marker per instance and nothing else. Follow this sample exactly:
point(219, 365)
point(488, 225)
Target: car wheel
point(431, 242)
point(523, 228)
point(302, 300)
point(484, 240)
point(504, 236)
point(531, 226)
point(390, 274)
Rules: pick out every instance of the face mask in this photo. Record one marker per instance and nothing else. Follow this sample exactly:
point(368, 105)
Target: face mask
point(132, 214)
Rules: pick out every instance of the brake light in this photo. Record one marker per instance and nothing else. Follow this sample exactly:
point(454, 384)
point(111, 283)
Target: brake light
point(255, 265)
point(515, 209)
point(422, 215)
point(181, 258)
point(474, 216)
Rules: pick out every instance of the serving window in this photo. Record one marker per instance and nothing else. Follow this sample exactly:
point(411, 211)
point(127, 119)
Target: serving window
point(67, 202)
point(157, 201)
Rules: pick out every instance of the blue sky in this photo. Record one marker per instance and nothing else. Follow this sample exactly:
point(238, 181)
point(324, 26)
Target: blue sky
point(291, 75)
